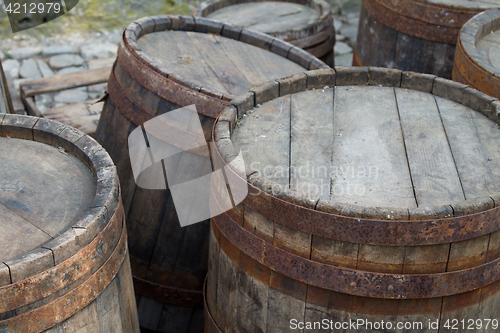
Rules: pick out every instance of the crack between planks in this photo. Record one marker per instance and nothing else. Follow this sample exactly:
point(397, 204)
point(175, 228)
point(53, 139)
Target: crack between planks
point(17, 214)
point(404, 145)
point(449, 146)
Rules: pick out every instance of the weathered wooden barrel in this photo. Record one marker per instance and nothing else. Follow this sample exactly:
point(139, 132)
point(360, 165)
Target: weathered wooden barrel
point(63, 242)
point(477, 56)
point(413, 35)
point(163, 63)
point(5, 101)
point(373, 196)
point(307, 24)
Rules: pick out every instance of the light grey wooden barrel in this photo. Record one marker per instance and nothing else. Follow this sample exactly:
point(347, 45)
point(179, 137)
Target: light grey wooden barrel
point(413, 35)
point(164, 63)
point(307, 24)
point(373, 195)
point(477, 56)
point(64, 264)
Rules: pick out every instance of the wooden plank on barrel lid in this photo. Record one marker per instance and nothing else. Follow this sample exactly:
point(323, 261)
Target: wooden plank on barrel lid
point(368, 153)
point(264, 136)
point(433, 170)
point(311, 143)
point(257, 65)
point(470, 159)
point(222, 66)
point(175, 53)
point(287, 301)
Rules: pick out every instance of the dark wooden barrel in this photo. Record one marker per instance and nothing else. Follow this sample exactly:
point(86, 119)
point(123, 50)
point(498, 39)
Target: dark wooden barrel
point(64, 264)
point(307, 24)
point(163, 63)
point(5, 101)
point(413, 35)
point(477, 57)
point(373, 196)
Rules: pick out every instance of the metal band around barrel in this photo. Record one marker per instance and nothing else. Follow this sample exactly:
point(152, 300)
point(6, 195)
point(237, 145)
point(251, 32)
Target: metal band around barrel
point(48, 282)
point(355, 59)
point(167, 294)
point(351, 281)
point(475, 75)
point(420, 20)
point(374, 232)
point(163, 85)
point(62, 308)
point(210, 325)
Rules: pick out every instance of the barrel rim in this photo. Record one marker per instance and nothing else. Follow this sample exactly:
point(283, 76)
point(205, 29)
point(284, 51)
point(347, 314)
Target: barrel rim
point(97, 216)
point(146, 25)
point(374, 76)
point(324, 21)
point(473, 31)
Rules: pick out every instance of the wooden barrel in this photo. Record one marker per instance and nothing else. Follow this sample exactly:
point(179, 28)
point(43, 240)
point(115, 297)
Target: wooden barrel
point(477, 56)
point(307, 24)
point(373, 197)
point(5, 101)
point(413, 35)
point(163, 63)
point(63, 243)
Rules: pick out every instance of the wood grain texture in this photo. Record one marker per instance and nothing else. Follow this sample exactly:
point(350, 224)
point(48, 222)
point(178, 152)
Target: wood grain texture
point(381, 46)
point(198, 58)
point(24, 195)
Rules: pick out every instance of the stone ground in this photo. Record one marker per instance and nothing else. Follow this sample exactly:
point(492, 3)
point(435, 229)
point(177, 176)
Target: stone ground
point(28, 58)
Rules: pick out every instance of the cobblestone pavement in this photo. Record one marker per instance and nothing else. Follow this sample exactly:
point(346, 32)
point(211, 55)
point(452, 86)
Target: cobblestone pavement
point(26, 58)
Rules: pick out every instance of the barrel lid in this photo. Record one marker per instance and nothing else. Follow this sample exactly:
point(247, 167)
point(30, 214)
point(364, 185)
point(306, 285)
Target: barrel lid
point(283, 19)
point(370, 144)
point(480, 38)
point(210, 57)
point(56, 188)
point(44, 191)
